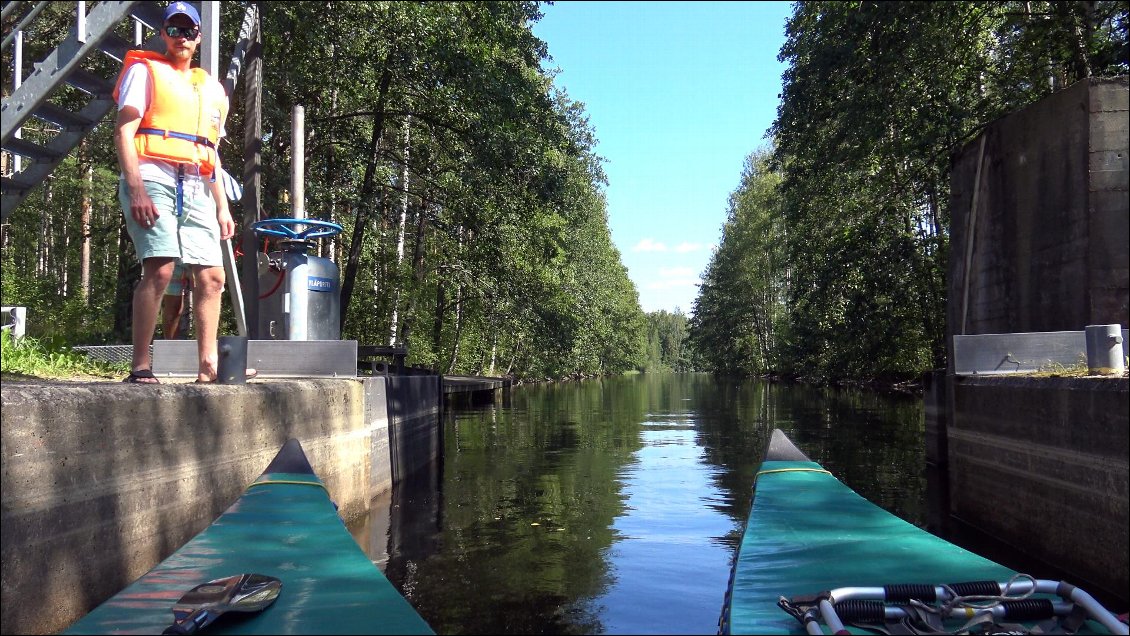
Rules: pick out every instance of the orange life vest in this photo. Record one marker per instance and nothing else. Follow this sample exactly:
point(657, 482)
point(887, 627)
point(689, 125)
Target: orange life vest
point(182, 123)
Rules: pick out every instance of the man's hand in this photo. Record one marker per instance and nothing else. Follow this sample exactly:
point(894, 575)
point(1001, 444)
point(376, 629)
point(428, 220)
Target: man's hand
point(227, 225)
point(141, 207)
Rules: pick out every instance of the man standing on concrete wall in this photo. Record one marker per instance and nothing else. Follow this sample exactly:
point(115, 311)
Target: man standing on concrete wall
point(170, 120)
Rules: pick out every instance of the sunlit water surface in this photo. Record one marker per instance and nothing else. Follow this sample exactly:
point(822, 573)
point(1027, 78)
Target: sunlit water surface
point(616, 506)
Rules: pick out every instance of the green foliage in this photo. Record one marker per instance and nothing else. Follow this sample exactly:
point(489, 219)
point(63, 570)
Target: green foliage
point(475, 226)
point(740, 305)
point(668, 347)
point(46, 358)
point(838, 270)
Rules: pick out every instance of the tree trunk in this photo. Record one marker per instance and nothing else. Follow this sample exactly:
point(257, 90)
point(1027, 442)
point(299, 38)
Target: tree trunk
point(60, 264)
point(437, 321)
point(128, 271)
point(417, 270)
point(400, 226)
point(368, 188)
point(458, 329)
point(87, 166)
point(44, 232)
point(493, 351)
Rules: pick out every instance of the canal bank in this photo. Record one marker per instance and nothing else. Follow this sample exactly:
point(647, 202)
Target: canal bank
point(102, 480)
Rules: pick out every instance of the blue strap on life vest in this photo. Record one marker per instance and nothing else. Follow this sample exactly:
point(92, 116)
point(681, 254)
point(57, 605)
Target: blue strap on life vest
point(196, 139)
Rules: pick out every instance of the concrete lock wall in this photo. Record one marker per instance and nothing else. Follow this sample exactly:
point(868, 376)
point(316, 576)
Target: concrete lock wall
point(1038, 242)
point(1048, 232)
point(1042, 464)
point(102, 481)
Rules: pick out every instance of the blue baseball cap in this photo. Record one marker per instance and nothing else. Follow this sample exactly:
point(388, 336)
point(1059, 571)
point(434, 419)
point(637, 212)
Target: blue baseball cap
point(182, 8)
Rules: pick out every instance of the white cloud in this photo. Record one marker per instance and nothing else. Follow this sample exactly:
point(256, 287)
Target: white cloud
point(685, 247)
point(648, 245)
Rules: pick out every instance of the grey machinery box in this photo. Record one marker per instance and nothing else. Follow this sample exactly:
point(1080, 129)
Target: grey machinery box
point(300, 295)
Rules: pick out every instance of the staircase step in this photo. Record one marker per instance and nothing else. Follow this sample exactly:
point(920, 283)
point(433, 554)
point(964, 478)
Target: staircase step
point(150, 13)
point(14, 184)
point(87, 82)
point(114, 46)
point(62, 117)
point(29, 149)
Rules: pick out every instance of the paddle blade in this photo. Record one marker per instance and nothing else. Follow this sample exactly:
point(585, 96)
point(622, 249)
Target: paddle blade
point(204, 603)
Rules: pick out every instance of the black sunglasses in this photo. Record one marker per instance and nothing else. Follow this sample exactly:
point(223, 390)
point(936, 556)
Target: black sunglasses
point(188, 32)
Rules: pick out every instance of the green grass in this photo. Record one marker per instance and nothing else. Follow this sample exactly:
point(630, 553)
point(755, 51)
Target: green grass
point(1057, 370)
point(32, 359)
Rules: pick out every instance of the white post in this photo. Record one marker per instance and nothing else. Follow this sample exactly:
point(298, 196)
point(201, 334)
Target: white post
point(297, 162)
point(80, 22)
point(210, 37)
point(19, 321)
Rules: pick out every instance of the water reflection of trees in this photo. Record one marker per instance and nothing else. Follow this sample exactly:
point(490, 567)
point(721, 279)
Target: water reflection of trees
point(517, 539)
point(529, 496)
point(870, 441)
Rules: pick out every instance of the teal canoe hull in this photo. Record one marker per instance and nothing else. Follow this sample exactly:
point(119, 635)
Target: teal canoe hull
point(286, 526)
point(808, 532)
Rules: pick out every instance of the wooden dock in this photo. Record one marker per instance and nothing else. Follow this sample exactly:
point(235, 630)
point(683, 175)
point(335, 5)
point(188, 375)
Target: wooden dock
point(473, 389)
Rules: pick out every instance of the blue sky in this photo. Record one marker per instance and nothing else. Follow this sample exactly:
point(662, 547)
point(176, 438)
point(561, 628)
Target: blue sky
point(679, 94)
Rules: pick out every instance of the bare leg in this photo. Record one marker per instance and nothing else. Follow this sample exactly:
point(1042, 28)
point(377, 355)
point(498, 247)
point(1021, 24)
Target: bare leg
point(171, 308)
point(156, 273)
point(209, 289)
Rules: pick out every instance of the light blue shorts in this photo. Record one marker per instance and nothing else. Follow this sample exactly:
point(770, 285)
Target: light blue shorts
point(193, 237)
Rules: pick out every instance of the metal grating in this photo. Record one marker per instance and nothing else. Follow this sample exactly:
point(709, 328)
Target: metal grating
point(113, 354)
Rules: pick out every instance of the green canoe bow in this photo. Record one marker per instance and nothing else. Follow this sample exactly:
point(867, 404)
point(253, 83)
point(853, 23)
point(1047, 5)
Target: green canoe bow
point(285, 526)
point(808, 532)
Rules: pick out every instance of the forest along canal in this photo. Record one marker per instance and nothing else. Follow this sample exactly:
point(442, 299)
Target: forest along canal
point(616, 505)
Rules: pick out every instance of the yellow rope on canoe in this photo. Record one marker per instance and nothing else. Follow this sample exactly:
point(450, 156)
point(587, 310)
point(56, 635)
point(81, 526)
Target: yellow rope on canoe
point(292, 483)
point(790, 470)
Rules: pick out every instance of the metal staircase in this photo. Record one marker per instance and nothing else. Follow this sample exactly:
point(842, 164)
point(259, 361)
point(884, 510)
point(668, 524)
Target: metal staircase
point(91, 34)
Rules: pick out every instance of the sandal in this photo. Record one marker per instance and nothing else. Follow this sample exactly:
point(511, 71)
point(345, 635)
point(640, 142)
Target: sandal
point(141, 376)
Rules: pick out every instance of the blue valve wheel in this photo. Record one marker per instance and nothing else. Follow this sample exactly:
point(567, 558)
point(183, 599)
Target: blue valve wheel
point(282, 227)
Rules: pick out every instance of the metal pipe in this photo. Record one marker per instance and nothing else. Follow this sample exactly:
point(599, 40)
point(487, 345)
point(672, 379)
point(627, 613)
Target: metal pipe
point(23, 23)
point(9, 8)
point(1105, 349)
point(297, 162)
point(80, 22)
point(970, 233)
point(210, 37)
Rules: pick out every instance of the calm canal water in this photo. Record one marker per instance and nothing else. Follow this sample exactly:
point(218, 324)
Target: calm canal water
point(616, 506)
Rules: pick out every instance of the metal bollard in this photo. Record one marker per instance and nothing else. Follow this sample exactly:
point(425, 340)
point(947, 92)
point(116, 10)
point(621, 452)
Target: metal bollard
point(232, 368)
point(1105, 349)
